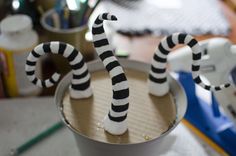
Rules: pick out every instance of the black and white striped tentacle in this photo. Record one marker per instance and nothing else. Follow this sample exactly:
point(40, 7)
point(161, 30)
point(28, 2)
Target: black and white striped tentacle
point(115, 122)
point(158, 78)
point(80, 85)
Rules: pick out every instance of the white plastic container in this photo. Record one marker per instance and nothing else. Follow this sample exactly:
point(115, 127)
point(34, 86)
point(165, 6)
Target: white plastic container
point(17, 39)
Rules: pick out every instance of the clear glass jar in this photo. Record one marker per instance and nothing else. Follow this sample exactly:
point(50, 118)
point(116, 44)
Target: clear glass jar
point(17, 39)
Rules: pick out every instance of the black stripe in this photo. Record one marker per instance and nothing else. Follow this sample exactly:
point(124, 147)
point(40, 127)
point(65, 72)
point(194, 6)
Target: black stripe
point(217, 88)
point(157, 80)
point(170, 42)
point(100, 43)
point(105, 15)
point(35, 81)
point(98, 30)
point(197, 56)
point(52, 80)
point(112, 65)
point(43, 84)
point(121, 108)
point(30, 72)
point(162, 50)
point(181, 38)
point(98, 21)
point(195, 68)
point(35, 54)
point(118, 78)
point(113, 17)
point(85, 73)
point(121, 94)
point(106, 54)
point(117, 119)
point(158, 70)
point(207, 87)
point(78, 65)
point(159, 59)
point(46, 47)
point(227, 85)
point(62, 47)
point(192, 43)
point(72, 55)
point(82, 86)
point(30, 63)
point(197, 80)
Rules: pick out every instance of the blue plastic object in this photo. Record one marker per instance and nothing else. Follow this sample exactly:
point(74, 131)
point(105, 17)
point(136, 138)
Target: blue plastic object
point(208, 118)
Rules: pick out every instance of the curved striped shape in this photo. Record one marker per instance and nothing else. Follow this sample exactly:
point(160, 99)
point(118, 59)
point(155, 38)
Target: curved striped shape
point(157, 81)
point(80, 84)
point(115, 122)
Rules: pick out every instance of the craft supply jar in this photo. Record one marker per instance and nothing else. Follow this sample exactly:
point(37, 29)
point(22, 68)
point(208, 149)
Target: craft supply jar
point(75, 36)
point(17, 39)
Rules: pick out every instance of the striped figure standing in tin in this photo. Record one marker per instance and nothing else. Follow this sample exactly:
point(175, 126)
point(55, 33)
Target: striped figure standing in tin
point(80, 85)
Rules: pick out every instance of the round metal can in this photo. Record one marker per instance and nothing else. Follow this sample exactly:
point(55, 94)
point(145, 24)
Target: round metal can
point(109, 145)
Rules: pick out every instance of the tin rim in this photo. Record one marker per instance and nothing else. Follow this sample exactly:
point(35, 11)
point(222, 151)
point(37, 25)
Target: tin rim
point(175, 88)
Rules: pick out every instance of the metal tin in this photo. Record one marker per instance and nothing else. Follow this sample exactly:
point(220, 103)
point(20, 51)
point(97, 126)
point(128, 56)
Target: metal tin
point(90, 147)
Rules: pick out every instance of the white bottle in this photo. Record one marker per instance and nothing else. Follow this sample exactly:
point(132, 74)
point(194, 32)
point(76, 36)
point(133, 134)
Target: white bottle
point(17, 39)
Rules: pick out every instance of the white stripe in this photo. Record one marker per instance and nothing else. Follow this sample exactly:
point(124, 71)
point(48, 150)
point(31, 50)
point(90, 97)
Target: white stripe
point(75, 61)
point(165, 45)
point(82, 80)
point(119, 102)
point(195, 74)
point(196, 49)
point(39, 83)
point(56, 76)
point(158, 53)
point(202, 85)
point(116, 71)
point(163, 75)
point(196, 62)
point(118, 114)
point(109, 16)
point(31, 77)
point(39, 49)
point(68, 50)
point(29, 68)
point(100, 17)
point(109, 60)
point(158, 64)
point(78, 58)
point(48, 83)
point(81, 70)
point(97, 37)
point(175, 38)
point(80, 94)
point(54, 46)
point(120, 86)
point(102, 49)
point(32, 58)
point(187, 39)
point(222, 86)
point(97, 25)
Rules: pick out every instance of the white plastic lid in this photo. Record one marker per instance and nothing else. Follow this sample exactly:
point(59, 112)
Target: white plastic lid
point(16, 23)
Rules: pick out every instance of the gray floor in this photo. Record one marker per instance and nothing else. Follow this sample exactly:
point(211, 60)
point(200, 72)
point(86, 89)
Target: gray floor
point(21, 119)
